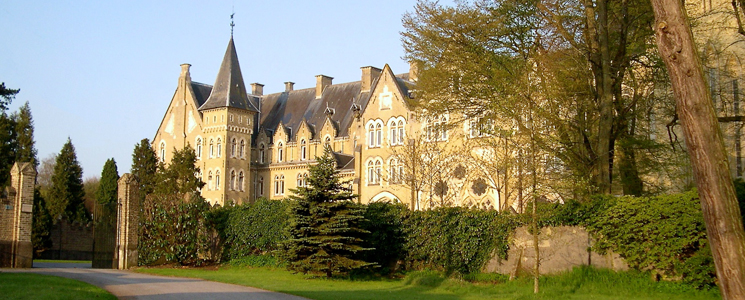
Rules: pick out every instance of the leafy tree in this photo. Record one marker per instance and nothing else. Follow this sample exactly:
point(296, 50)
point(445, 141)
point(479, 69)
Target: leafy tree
point(144, 166)
point(24, 128)
point(7, 148)
point(66, 194)
point(45, 172)
point(90, 187)
point(325, 233)
point(42, 223)
point(107, 188)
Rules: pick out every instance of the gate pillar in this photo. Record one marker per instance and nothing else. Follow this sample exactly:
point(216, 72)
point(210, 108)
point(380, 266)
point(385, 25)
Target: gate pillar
point(128, 218)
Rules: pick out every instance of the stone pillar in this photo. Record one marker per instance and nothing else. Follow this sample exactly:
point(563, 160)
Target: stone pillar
point(127, 223)
point(16, 218)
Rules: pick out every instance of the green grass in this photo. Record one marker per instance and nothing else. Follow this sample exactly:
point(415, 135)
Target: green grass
point(61, 261)
point(581, 283)
point(38, 286)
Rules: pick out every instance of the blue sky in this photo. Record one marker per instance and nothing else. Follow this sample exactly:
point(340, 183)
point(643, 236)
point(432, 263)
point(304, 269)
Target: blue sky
point(103, 72)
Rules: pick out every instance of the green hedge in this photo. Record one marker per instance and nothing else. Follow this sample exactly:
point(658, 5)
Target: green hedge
point(255, 228)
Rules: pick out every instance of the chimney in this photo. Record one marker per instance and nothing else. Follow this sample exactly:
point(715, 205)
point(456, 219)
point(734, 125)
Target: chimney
point(185, 72)
point(322, 81)
point(413, 71)
point(369, 74)
point(257, 89)
point(289, 86)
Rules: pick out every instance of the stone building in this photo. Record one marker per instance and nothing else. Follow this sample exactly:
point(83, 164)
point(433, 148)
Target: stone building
point(251, 145)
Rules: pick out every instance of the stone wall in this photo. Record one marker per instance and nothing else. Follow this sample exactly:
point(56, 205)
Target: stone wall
point(70, 241)
point(560, 248)
point(16, 213)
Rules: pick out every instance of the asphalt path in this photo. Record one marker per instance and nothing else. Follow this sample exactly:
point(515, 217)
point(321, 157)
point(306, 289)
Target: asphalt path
point(129, 285)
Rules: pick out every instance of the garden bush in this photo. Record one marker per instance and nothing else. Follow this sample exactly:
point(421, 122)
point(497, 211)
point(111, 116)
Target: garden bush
point(254, 228)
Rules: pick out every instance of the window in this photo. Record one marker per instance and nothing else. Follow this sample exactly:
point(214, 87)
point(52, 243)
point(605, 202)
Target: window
point(233, 146)
point(441, 127)
point(481, 127)
point(371, 172)
point(217, 180)
point(199, 148)
point(437, 129)
point(303, 150)
point(279, 185)
point(401, 132)
point(393, 166)
point(261, 153)
point(219, 147)
point(163, 151)
point(379, 134)
point(394, 132)
point(327, 142)
point(231, 117)
point(232, 181)
point(242, 149)
point(378, 167)
point(300, 180)
point(212, 149)
point(280, 152)
point(371, 135)
point(209, 181)
point(260, 187)
point(241, 181)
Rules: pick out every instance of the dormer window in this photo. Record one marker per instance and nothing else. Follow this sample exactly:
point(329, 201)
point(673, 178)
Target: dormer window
point(280, 152)
point(261, 153)
point(303, 150)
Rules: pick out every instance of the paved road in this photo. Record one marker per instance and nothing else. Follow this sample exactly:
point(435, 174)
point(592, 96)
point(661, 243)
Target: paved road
point(129, 285)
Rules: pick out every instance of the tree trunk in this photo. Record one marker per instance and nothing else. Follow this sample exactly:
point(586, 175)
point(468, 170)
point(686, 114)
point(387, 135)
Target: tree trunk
point(724, 225)
point(605, 125)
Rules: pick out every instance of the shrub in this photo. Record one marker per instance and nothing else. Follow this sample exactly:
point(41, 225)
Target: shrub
point(385, 222)
point(255, 228)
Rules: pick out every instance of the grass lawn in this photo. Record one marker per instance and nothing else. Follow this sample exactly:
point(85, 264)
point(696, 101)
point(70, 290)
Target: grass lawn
point(582, 283)
point(38, 286)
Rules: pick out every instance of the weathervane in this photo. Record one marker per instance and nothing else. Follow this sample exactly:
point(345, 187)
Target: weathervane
point(232, 24)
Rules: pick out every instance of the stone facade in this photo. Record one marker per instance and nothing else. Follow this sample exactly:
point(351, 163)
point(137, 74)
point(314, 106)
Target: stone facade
point(16, 218)
point(127, 222)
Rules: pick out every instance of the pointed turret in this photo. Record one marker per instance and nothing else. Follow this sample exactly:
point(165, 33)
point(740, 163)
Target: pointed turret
point(229, 89)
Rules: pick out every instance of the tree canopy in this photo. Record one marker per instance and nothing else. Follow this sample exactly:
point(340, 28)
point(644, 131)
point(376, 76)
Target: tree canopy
point(107, 188)
point(66, 194)
point(144, 166)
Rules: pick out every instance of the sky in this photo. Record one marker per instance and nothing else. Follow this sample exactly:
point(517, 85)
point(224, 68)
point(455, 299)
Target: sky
point(103, 72)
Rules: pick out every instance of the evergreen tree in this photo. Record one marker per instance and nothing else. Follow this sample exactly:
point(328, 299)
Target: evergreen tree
point(180, 176)
point(7, 148)
point(144, 166)
point(66, 193)
point(42, 223)
point(107, 187)
point(7, 96)
point(325, 224)
point(24, 130)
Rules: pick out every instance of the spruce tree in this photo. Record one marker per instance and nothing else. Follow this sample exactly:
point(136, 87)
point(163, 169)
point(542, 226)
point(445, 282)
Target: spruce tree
point(66, 193)
point(325, 224)
point(7, 148)
point(144, 166)
point(107, 187)
point(180, 177)
point(24, 131)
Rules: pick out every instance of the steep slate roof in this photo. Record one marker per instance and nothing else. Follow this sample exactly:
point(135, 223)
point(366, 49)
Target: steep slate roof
point(229, 89)
point(291, 108)
point(201, 92)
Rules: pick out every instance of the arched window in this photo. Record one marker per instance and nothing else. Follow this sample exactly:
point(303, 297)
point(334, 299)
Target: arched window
point(305, 179)
point(371, 135)
point(303, 150)
point(327, 142)
point(232, 181)
point(241, 181)
point(443, 129)
point(299, 180)
point(219, 147)
point(233, 146)
point(217, 180)
point(209, 181)
point(379, 135)
point(280, 152)
point(199, 148)
point(428, 124)
point(261, 153)
point(393, 170)
point(401, 132)
point(163, 151)
point(378, 167)
point(242, 149)
point(394, 132)
point(371, 172)
point(260, 186)
point(212, 149)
